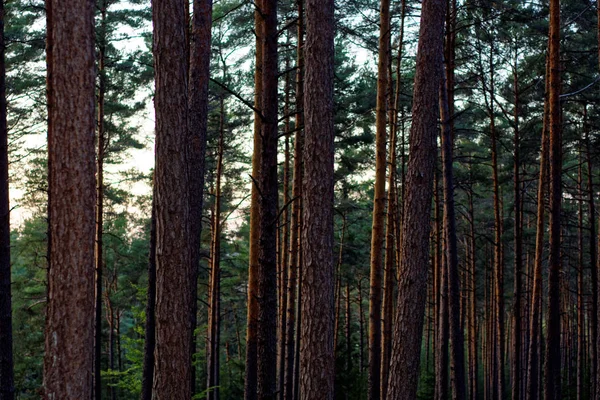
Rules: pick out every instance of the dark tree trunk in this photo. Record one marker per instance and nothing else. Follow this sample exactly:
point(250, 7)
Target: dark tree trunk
point(456, 335)
point(7, 389)
point(199, 73)
point(172, 378)
point(552, 366)
point(412, 285)
point(317, 354)
point(68, 361)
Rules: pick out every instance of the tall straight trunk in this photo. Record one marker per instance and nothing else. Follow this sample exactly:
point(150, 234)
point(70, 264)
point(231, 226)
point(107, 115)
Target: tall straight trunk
point(68, 361)
point(518, 239)
point(267, 210)
point(348, 334)
point(150, 328)
point(100, 153)
point(317, 358)
point(498, 364)
point(456, 334)
point(214, 318)
point(377, 231)
point(580, 272)
point(285, 269)
point(552, 366)
point(294, 247)
point(441, 301)
point(7, 390)
point(412, 285)
point(199, 73)
point(535, 319)
point(251, 378)
point(361, 323)
point(593, 264)
point(472, 339)
point(174, 289)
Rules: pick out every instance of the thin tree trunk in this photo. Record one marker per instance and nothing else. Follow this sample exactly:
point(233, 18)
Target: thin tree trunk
point(317, 364)
point(552, 367)
point(442, 339)
point(535, 326)
point(251, 378)
point(412, 285)
point(379, 202)
point(472, 340)
point(518, 239)
point(7, 389)
point(361, 323)
point(294, 247)
point(174, 289)
point(199, 73)
point(580, 278)
point(456, 335)
point(98, 259)
point(68, 361)
point(214, 319)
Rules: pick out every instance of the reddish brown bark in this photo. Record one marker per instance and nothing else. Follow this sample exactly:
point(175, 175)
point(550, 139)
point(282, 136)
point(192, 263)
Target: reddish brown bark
point(317, 354)
point(173, 259)
point(69, 335)
point(412, 284)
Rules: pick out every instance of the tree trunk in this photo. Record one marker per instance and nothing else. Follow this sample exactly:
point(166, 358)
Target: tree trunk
point(535, 319)
point(214, 304)
point(457, 364)
point(98, 259)
point(68, 361)
point(7, 390)
point(251, 378)
point(580, 278)
point(267, 210)
point(199, 73)
point(552, 375)
point(174, 289)
point(518, 239)
point(378, 234)
point(408, 325)
point(317, 364)
point(472, 340)
point(295, 233)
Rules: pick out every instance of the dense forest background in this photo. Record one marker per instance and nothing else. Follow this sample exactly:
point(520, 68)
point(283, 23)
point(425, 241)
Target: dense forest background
point(495, 57)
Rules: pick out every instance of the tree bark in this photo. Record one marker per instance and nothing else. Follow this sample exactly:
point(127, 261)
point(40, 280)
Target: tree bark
point(199, 74)
point(68, 360)
point(379, 201)
point(7, 390)
point(173, 259)
point(317, 361)
point(296, 217)
point(412, 284)
point(552, 367)
point(251, 378)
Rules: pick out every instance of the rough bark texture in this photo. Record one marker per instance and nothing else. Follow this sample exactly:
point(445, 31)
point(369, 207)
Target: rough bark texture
point(267, 211)
point(412, 283)
point(173, 267)
point(317, 353)
point(6, 343)
point(552, 376)
point(68, 361)
point(378, 229)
